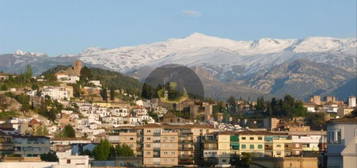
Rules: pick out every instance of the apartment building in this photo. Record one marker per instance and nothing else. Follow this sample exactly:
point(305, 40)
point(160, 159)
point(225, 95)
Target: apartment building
point(130, 136)
point(160, 146)
point(278, 145)
point(163, 145)
point(31, 145)
point(6, 146)
point(310, 141)
point(342, 143)
point(220, 146)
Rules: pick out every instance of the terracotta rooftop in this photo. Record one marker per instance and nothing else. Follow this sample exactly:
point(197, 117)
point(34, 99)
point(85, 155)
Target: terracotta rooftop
point(344, 120)
point(249, 133)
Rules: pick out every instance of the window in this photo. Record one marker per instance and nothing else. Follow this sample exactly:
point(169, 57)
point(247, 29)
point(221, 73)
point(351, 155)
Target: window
point(68, 161)
point(243, 138)
point(339, 136)
point(251, 138)
point(260, 138)
point(334, 136)
point(243, 146)
point(251, 146)
point(260, 146)
point(278, 146)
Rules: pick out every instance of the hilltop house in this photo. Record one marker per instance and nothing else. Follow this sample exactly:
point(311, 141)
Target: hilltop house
point(70, 75)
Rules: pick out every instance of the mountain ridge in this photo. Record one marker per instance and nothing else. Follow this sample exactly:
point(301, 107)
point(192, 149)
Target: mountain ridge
point(228, 61)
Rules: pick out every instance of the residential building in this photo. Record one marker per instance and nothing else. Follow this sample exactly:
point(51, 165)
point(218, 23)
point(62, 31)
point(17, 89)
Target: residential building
point(62, 92)
point(315, 100)
point(342, 143)
point(31, 145)
point(130, 136)
point(163, 145)
point(220, 146)
point(6, 145)
point(285, 162)
point(67, 160)
point(160, 146)
point(352, 101)
point(343, 111)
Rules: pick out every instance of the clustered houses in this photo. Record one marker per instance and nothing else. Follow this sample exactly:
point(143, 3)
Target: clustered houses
point(163, 144)
point(221, 146)
point(97, 115)
point(62, 92)
point(331, 105)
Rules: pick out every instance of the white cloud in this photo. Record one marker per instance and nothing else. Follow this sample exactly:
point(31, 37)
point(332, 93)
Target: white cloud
point(192, 13)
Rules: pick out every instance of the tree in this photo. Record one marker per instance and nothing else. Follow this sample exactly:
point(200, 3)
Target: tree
point(49, 157)
point(154, 115)
point(316, 120)
point(120, 151)
point(232, 105)
point(112, 94)
point(76, 90)
point(69, 132)
point(104, 94)
point(28, 72)
point(260, 107)
point(41, 131)
point(102, 150)
point(124, 150)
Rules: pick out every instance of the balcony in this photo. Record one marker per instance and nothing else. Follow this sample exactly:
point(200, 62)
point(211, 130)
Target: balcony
point(188, 161)
point(185, 148)
point(186, 156)
point(186, 141)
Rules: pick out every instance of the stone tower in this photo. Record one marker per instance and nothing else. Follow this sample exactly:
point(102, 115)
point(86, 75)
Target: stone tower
point(77, 67)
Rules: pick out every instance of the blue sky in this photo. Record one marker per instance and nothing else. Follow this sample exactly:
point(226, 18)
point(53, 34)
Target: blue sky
point(69, 26)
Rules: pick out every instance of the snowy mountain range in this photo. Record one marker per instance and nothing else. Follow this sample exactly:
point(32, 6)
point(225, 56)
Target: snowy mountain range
point(200, 49)
point(230, 62)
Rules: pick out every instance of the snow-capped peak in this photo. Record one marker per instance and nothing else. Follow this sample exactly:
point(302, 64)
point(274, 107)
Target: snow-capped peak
point(27, 53)
point(323, 44)
point(200, 48)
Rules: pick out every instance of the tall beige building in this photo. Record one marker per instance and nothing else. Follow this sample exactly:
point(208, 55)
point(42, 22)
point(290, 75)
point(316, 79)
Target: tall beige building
point(163, 145)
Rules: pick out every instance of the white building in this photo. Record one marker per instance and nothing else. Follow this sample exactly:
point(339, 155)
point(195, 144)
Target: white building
point(309, 141)
point(310, 108)
point(66, 160)
point(95, 83)
point(352, 101)
point(67, 78)
point(57, 92)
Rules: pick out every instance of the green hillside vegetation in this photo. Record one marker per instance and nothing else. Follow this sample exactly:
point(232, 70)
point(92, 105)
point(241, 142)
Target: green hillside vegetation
point(24, 80)
point(111, 80)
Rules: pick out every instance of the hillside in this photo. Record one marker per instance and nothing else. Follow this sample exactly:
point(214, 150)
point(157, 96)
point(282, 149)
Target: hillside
point(109, 79)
